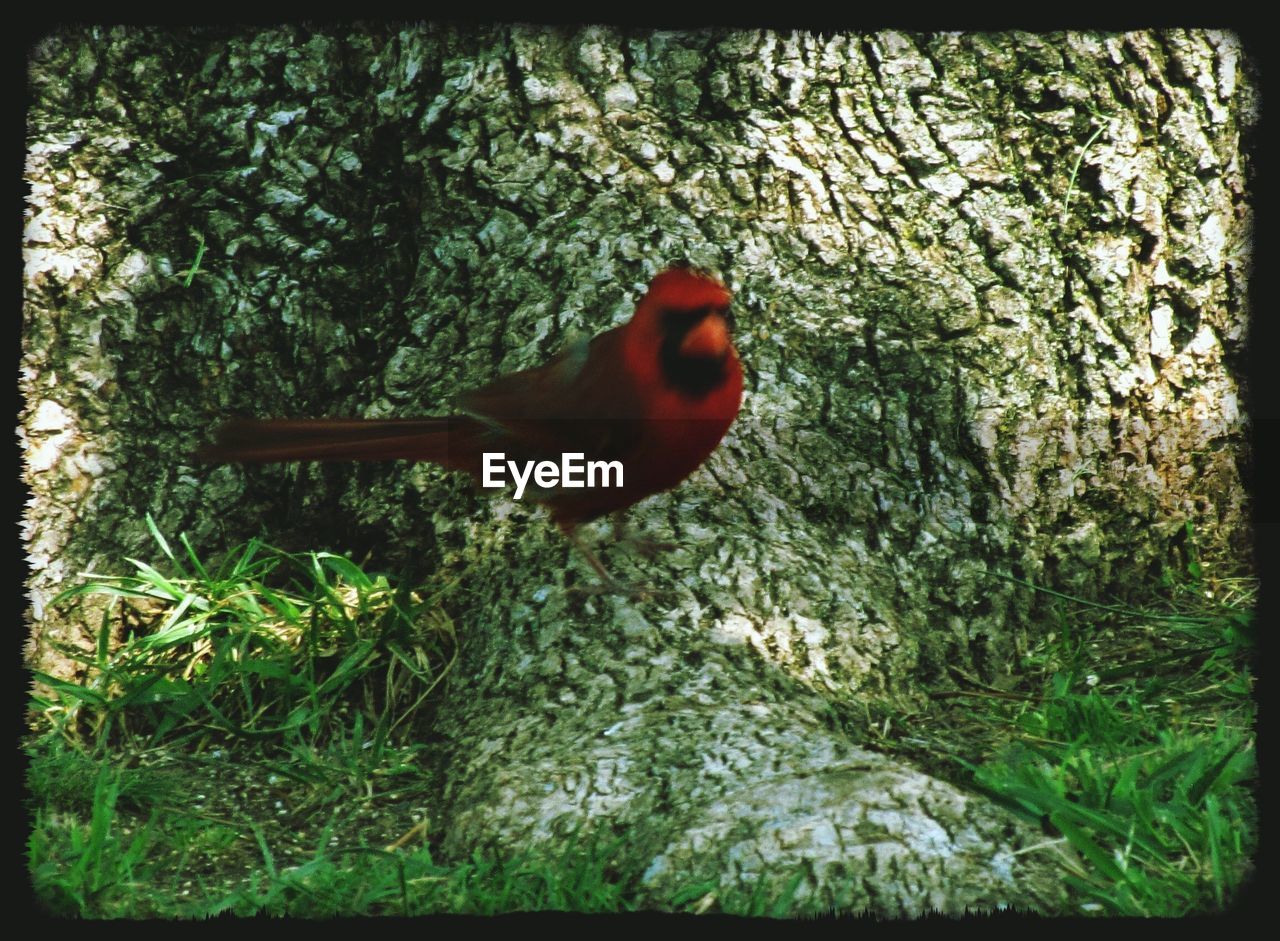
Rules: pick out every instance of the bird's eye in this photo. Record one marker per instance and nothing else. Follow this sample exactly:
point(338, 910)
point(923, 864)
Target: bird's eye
point(687, 316)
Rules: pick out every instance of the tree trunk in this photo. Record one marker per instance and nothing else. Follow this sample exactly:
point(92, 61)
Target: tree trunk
point(991, 297)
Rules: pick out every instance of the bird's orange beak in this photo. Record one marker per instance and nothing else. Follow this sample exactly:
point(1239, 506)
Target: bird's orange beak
point(709, 339)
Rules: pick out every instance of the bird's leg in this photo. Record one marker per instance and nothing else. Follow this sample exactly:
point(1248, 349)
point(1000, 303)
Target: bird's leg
point(649, 548)
point(609, 585)
point(587, 553)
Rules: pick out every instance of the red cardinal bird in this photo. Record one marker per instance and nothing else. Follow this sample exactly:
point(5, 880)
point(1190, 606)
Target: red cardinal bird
point(655, 394)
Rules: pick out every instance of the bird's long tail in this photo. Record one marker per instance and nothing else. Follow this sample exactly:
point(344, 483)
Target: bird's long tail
point(343, 439)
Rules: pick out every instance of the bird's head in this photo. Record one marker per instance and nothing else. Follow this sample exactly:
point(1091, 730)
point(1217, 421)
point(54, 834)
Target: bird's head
point(682, 328)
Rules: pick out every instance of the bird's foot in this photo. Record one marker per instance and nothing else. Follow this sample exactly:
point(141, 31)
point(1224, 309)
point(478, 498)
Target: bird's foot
point(646, 546)
point(608, 584)
point(649, 548)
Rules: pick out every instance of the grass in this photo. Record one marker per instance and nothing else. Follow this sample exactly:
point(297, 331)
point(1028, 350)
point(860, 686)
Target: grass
point(1129, 738)
point(195, 265)
point(244, 736)
point(229, 708)
point(105, 865)
point(1075, 167)
point(1143, 763)
point(258, 648)
point(85, 869)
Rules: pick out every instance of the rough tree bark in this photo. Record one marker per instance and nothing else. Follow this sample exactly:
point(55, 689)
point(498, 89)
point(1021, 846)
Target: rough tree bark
point(991, 295)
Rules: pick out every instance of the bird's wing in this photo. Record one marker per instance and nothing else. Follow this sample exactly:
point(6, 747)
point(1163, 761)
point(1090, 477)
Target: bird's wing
point(542, 391)
point(581, 400)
